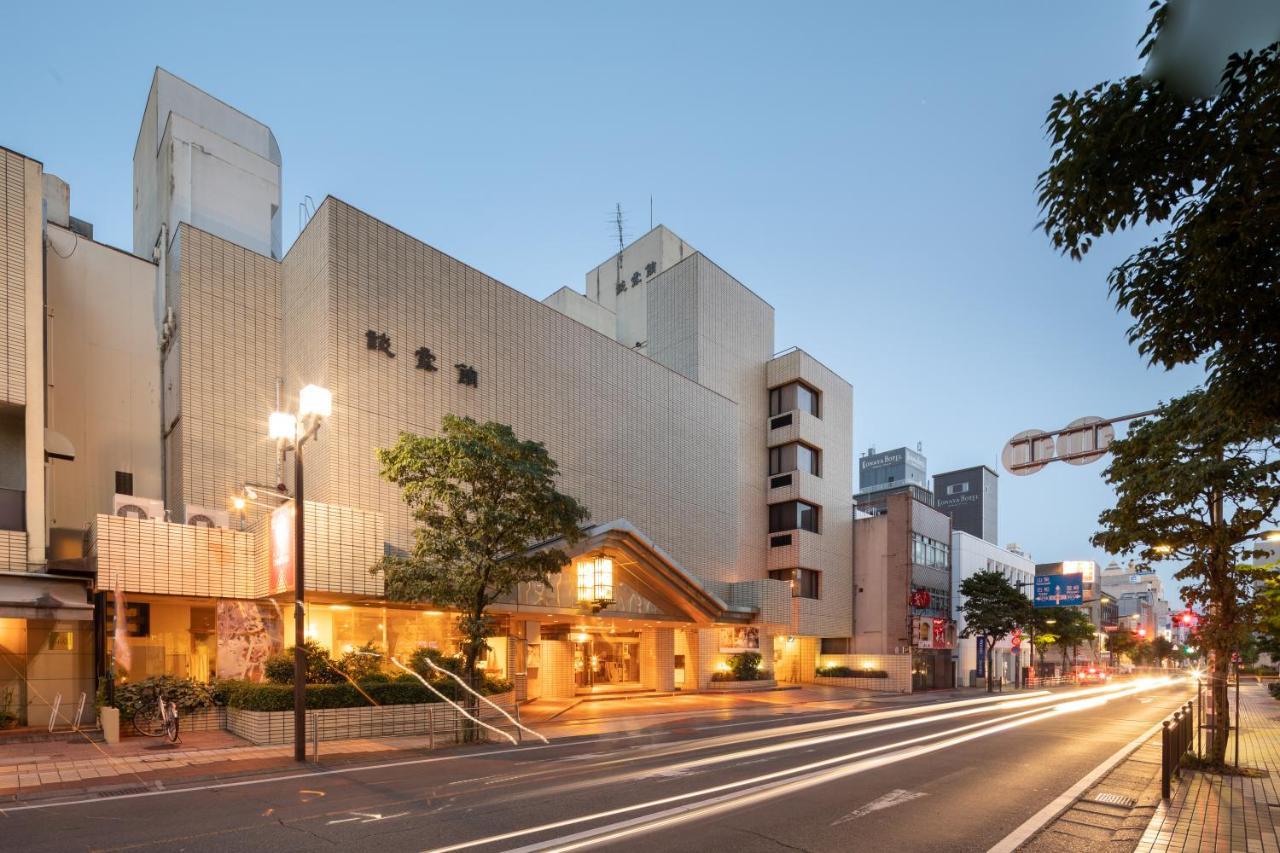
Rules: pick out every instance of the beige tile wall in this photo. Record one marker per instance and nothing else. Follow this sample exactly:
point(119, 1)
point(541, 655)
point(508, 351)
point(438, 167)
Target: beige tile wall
point(15, 239)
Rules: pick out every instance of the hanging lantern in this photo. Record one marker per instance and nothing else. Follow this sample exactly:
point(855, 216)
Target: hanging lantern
point(595, 582)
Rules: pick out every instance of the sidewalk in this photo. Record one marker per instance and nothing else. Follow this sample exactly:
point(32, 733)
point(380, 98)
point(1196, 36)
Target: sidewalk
point(1228, 813)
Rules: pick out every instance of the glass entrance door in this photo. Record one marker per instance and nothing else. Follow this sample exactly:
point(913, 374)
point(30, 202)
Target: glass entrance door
point(604, 661)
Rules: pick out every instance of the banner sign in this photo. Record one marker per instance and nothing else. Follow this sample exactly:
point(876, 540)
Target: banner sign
point(982, 657)
point(1059, 590)
point(281, 549)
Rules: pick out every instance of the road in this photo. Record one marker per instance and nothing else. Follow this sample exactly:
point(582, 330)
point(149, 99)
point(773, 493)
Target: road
point(957, 775)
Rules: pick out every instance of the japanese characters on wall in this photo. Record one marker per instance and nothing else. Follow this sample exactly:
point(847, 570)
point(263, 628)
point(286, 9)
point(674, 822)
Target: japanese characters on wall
point(425, 358)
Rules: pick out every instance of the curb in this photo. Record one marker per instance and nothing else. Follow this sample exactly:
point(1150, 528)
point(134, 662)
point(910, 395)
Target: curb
point(1068, 798)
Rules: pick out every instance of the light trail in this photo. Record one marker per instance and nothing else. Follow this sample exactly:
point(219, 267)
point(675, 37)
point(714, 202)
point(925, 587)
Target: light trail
point(781, 782)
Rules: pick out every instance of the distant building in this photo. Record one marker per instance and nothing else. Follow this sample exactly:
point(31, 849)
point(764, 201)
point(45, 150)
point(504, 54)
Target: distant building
point(971, 554)
point(903, 587)
point(1139, 595)
point(891, 469)
point(969, 496)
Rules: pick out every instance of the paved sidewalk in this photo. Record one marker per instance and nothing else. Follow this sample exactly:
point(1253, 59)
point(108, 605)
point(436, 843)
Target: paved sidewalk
point(1228, 813)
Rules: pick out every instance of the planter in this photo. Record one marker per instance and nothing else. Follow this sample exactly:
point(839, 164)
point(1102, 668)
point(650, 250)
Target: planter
point(730, 686)
point(436, 719)
point(881, 685)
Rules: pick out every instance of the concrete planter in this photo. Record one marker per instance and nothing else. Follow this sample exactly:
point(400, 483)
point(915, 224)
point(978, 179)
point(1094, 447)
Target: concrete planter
point(730, 686)
point(882, 685)
point(202, 720)
point(437, 719)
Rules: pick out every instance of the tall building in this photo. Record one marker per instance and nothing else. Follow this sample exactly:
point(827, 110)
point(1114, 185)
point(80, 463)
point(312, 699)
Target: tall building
point(1140, 598)
point(718, 473)
point(969, 496)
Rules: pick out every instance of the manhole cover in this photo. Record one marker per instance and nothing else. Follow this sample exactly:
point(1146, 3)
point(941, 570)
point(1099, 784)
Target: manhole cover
point(1110, 799)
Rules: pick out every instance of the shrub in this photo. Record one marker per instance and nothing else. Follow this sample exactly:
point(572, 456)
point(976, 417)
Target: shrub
point(849, 672)
point(1274, 687)
point(745, 666)
point(362, 663)
point(320, 670)
point(188, 694)
point(417, 662)
point(248, 696)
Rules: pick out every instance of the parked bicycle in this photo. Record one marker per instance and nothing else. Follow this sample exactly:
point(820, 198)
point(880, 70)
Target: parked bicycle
point(158, 720)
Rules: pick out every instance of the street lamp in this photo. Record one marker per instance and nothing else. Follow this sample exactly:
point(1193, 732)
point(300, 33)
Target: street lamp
point(291, 433)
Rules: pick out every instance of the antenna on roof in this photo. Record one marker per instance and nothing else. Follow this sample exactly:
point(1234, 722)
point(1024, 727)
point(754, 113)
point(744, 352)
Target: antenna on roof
point(617, 219)
point(650, 211)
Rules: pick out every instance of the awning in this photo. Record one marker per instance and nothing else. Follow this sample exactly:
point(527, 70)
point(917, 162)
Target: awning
point(38, 596)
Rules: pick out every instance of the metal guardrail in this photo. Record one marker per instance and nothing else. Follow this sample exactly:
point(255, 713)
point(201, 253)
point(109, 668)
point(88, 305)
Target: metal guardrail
point(1177, 734)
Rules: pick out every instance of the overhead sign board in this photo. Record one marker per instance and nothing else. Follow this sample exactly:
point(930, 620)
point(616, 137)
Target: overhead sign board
point(1085, 440)
point(1027, 452)
point(1059, 590)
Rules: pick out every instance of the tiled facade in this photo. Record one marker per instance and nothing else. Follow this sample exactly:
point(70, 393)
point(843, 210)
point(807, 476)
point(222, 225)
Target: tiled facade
point(15, 245)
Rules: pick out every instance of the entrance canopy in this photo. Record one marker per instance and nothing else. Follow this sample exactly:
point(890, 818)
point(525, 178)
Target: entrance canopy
point(652, 574)
point(27, 595)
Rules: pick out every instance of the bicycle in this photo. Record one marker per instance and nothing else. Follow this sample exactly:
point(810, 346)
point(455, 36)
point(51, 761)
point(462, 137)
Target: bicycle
point(159, 720)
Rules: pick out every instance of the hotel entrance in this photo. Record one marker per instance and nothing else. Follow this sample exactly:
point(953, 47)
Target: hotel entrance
point(606, 661)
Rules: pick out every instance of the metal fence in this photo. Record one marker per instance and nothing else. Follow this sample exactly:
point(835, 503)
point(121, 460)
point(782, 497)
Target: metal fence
point(1177, 735)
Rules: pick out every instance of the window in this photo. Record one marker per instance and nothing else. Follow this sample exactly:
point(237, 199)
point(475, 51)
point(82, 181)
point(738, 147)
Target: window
point(957, 488)
point(794, 395)
point(795, 457)
point(804, 582)
point(793, 515)
point(929, 552)
point(837, 646)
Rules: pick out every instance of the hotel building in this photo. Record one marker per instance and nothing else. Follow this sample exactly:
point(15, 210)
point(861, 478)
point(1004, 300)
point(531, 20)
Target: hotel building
point(718, 472)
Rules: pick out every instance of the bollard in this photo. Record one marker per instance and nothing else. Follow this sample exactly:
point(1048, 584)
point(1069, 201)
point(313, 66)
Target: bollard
point(315, 739)
point(1164, 760)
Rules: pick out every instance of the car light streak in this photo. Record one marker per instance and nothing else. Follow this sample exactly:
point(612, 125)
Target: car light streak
point(979, 706)
point(782, 782)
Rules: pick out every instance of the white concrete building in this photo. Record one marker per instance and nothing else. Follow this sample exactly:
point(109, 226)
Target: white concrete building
point(718, 472)
point(971, 554)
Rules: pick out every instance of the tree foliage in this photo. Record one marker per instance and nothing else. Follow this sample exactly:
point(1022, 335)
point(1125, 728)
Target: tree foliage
point(1134, 151)
point(992, 608)
point(1196, 485)
point(481, 498)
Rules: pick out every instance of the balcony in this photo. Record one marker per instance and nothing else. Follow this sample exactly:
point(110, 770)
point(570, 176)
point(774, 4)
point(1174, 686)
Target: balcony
point(793, 485)
point(792, 426)
point(792, 549)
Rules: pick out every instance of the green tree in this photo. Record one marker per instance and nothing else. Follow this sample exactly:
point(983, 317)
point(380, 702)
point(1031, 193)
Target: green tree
point(1135, 151)
point(481, 497)
point(1162, 648)
point(1123, 643)
point(1195, 485)
point(1073, 628)
point(992, 608)
point(1037, 623)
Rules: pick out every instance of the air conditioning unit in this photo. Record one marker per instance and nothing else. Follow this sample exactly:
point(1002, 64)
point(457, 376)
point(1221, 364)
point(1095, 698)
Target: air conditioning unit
point(132, 506)
point(199, 516)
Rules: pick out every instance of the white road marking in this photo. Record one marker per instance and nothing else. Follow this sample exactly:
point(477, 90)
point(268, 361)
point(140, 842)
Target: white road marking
point(895, 797)
point(367, 817)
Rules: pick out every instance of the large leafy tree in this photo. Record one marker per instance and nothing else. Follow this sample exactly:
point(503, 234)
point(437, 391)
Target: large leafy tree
point(481, 497)
point(992, 608)
point(1072, 630)
point(1136, 151)
point(1195, 486)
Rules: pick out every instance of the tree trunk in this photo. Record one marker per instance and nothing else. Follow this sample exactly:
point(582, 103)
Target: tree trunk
point(1221, 709)
point(990, 672)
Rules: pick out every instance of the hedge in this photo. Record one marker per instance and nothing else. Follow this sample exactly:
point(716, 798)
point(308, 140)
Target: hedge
point(849, 672)
point(248, 696)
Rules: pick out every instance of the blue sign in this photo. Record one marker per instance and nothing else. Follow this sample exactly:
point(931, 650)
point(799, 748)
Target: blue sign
point(982, 657)
point(1059, 590)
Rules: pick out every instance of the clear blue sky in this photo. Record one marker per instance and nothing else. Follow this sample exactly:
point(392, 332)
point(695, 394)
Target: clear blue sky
point(868, 169)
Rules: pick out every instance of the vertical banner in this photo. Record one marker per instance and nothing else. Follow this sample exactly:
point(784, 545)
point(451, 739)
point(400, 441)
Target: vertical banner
point(281, 549)
point(982, 657)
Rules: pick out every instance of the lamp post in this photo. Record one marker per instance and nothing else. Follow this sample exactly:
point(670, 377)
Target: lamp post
point(291, 433)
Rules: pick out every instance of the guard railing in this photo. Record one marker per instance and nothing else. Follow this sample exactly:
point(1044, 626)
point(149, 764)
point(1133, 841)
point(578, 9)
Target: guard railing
point(1177, 734)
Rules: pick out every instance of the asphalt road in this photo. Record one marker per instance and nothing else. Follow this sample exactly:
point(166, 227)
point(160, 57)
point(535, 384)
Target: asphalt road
point(947, 776)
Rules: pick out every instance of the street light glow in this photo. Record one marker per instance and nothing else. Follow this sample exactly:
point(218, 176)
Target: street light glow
point(314, 401)
point(282, 426)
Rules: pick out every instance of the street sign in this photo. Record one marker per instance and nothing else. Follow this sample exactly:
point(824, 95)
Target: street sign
point(1059, 590)
point(1027, 452)
point(1085, 440)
